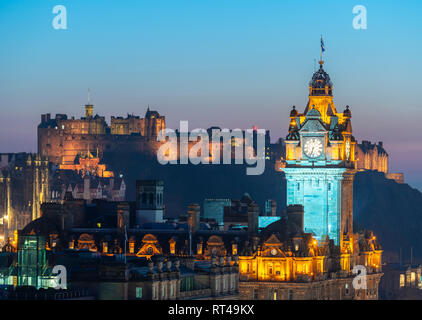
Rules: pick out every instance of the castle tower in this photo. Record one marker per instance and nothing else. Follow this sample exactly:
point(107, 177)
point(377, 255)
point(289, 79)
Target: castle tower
point(320, 162)
point(149, 201)
point(153, 124)
point(89, 109)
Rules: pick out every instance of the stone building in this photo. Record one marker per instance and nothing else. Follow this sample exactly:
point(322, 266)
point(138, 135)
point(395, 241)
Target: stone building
point(88, 164)
point(401, 282)
point(126, 262)
point(371, 156)
point(282, 261)
point(24, 186)
point(286, 263)
point(316, 245)
point(87, 187)
point(320, 162)
point(149, 126)
point(63, 139)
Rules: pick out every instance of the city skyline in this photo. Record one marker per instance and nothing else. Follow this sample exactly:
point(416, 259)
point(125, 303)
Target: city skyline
point(231, 65)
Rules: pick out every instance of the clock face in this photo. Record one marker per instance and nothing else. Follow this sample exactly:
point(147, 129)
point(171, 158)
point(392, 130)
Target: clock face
point(313, 147)
point(347, 149)
point(273, 252)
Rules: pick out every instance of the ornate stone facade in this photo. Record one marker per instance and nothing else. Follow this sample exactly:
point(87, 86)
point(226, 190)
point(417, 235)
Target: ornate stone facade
point(24, 186)
point(320, 161)
point(371, 156)
point(63, 139)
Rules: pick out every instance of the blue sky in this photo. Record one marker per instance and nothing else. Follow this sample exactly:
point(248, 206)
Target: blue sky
point(232, 63)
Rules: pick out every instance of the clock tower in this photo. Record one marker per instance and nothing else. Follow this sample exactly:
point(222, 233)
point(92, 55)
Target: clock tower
point(320, 162)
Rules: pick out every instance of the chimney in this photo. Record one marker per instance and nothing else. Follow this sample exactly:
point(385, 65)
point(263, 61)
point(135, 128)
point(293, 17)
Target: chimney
point(123, 212)
point(253, 213)
point(295, 214)
point(193, 220)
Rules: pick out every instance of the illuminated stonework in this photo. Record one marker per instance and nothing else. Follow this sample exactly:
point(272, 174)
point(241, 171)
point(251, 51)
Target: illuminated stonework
point(320, 162)
point(88, 164)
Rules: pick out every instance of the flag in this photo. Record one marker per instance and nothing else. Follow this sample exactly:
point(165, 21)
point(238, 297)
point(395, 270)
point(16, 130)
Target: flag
point(322, 45)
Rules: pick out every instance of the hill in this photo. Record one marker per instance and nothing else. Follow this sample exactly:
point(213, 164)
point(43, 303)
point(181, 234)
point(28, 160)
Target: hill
point(393, 211)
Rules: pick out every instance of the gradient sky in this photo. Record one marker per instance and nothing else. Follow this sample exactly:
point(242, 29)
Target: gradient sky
point(231, 63)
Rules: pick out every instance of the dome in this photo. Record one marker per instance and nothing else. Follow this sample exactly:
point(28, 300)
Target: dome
point(320, 80)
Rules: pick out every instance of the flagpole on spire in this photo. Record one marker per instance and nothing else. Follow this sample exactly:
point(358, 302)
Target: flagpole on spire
point(321, 49)
point(321, 62)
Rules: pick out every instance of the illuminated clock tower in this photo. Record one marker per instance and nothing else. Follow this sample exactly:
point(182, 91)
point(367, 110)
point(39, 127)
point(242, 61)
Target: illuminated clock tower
point(320, 162)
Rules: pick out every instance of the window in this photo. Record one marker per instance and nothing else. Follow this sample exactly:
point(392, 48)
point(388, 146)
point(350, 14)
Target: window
point(139, 293)
point(290, 295)
point(151, 198)
point(347, 290)
point(270, 268)
point(255, 294)
point(171, 290)
point(401, 280)
point(144, 198)
point(412, 278)
point(234, 249)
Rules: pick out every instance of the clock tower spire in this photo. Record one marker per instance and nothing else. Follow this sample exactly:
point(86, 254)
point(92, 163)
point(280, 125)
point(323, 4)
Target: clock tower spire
point(320, 162)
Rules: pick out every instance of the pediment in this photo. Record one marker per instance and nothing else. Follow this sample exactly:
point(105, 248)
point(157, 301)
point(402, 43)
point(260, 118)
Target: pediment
point(313, 125)
point(272, 240)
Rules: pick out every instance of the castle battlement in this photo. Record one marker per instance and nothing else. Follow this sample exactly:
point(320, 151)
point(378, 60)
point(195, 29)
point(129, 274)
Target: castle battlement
point(62, 139)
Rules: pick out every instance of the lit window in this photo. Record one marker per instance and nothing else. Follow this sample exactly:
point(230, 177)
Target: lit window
point(139, 293)
point(401, 280)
